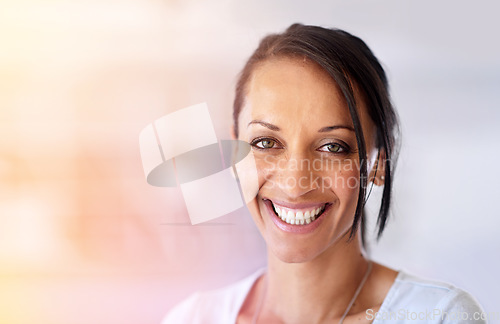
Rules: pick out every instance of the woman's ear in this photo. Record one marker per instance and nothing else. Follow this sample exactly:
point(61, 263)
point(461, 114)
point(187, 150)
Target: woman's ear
point(377, 174)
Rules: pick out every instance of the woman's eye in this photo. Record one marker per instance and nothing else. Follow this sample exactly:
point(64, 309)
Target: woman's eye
point(265, 143)
point(332, 148)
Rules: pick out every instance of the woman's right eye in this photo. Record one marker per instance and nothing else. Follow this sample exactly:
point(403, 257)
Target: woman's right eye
point(265, 143)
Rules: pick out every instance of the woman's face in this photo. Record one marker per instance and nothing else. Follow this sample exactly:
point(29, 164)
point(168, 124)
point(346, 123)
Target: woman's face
point(305, 151)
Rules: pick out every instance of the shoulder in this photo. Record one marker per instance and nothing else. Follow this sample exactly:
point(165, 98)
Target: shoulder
point(217, 306)
point(417, 300)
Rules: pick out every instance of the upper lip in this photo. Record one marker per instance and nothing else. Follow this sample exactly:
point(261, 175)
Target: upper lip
point(289, 205)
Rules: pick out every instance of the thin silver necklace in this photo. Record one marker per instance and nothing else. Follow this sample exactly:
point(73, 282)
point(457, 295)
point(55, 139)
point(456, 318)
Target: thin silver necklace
point(348, 309)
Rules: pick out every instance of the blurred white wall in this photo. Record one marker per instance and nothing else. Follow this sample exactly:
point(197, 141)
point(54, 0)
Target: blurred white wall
point(79, 79)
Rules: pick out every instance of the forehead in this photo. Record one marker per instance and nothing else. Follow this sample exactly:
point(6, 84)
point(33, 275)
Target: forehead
point(284, 74)
point(296, 88)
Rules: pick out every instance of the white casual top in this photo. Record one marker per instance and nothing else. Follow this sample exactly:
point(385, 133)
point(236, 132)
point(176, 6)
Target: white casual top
point(409, 300)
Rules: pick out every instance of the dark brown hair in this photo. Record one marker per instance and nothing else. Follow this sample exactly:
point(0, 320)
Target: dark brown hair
point(349, 61)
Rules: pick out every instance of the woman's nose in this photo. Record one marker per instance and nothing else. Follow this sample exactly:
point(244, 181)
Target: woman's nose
point(295, 176)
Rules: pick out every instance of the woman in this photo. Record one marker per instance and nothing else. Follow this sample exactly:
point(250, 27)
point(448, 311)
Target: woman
point(314, 105)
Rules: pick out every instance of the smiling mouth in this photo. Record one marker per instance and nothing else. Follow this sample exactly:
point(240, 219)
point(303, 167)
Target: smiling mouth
point(298, 216)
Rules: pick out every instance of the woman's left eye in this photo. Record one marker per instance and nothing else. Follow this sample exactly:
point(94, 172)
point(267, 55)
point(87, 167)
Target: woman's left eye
point(332, 148)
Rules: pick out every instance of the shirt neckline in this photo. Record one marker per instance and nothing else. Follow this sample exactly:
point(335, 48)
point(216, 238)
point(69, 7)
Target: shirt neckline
point(250, 281)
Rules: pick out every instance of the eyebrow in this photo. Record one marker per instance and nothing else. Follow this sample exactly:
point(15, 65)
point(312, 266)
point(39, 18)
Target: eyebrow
point(267, 125)
point(331, 128)
point(322, 130)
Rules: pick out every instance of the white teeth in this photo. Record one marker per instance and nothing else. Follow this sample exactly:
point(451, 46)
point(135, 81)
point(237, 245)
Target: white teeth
point(298, 218)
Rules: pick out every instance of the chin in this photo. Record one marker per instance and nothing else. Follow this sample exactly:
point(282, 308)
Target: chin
point(289, 254)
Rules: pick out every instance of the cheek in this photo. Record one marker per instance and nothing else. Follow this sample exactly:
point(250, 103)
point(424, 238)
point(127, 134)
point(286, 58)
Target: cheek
point(254, 173)
point(263, 180)
point(266, 169)
point(347, 188)
point(343, 180)
point(248, 177)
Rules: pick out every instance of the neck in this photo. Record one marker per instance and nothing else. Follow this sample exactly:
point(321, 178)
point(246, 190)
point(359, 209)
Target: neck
point(317, 290)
